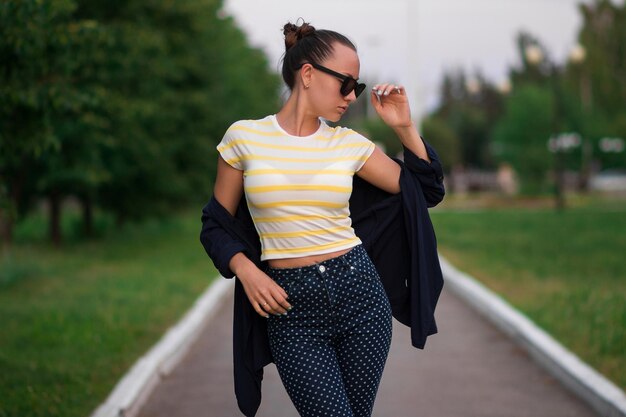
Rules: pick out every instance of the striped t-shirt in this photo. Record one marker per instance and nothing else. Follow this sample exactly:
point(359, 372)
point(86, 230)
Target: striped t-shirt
point(297, 187)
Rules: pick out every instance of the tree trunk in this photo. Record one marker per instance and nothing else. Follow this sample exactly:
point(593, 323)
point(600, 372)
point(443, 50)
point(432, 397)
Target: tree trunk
point(120, 219)
point(87, 208)
point(55, 218)
point(585, 170)
point(6, 228)
point(7, 214)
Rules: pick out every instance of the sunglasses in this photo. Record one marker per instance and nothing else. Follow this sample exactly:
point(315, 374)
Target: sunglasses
point(347, 83)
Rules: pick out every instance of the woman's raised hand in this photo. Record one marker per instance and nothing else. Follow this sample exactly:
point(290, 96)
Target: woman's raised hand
point(392, 105)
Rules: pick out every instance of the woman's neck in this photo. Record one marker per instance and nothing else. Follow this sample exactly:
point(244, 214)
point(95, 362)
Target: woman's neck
point(294, 118)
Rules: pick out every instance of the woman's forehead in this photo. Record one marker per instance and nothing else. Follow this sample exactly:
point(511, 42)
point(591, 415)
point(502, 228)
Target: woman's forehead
point(344, 60)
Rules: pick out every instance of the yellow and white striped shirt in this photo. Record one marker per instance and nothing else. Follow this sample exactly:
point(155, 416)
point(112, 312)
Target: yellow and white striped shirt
point(297, 187)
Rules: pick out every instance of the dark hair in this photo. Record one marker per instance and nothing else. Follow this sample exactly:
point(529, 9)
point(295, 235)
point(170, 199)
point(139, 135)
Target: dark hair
point(304, 43)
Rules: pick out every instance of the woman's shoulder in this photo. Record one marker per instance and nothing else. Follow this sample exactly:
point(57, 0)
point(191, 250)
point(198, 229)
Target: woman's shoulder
point(243, 124)
point(250, 129)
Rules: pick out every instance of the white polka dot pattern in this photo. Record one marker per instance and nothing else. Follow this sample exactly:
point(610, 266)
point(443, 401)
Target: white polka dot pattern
point(330, 349)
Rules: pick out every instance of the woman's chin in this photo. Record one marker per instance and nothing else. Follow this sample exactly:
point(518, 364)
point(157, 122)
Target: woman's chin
point(334, 117)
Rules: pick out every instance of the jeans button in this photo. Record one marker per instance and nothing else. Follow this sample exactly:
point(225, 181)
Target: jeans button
point(322, 268)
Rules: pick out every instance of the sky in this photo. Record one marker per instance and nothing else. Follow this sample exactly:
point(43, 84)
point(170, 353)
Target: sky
point(413, 42)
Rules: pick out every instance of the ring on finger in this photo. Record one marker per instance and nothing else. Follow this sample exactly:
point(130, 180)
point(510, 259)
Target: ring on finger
point(263, 309)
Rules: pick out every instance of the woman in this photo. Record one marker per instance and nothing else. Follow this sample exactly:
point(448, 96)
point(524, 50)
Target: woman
point(328, 317)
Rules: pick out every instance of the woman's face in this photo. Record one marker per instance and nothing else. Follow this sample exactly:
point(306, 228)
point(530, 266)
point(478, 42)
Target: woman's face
point(325, 98)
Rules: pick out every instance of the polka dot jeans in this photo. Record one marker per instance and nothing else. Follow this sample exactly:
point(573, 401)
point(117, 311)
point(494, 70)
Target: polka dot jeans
point(331, 347)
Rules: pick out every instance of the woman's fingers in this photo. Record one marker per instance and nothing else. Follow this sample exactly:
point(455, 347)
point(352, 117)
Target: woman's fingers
point(281, 298)
point(375, 100)
point(378, 92)
point(273, 300)
point(380, 88)
point(258, 307)
point(387, 89)
point(265, 295)
point(272, 306)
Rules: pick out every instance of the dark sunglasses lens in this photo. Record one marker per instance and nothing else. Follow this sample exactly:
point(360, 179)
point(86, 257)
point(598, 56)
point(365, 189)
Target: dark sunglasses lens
point(350, 84)
point(347, 86)
point(359, 89)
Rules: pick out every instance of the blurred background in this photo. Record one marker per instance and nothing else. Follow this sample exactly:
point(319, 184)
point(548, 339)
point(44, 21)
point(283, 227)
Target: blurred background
point(109, 117)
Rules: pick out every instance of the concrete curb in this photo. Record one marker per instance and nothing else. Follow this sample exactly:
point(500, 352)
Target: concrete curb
point(134, 388)
point(600, 393)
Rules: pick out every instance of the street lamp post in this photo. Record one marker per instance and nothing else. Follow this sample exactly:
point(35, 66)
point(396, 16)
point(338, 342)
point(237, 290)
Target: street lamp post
point(558, 155)
point(577, 58)
point(559, 145)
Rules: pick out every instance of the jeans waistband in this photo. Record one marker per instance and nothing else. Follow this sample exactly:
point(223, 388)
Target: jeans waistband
point(345, 259)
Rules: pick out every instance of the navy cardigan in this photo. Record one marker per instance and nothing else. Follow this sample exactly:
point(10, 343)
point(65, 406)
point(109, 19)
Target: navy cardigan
point(396, 232)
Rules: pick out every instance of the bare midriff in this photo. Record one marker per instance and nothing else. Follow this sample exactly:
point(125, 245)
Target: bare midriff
point(305, 260)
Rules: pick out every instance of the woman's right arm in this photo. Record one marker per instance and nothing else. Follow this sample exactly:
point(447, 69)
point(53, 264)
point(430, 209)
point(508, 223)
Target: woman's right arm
point(259, 287)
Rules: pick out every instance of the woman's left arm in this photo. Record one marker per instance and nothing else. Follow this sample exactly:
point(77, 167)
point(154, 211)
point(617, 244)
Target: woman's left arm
point(392, 105)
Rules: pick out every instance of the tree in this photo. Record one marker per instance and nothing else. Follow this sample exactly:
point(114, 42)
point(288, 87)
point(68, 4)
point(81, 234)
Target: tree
point(184, 82)
point(444, 139)
point(599, 81)
point(119, 105)
point(470, 106)
point(521, 135)
point(43, 52)
point(376, 130)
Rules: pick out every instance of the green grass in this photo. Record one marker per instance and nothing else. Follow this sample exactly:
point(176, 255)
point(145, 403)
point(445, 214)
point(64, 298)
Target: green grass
point(75, 319)
point(566, 271)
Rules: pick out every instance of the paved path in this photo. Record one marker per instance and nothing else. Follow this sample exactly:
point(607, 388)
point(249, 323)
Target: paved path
point(468, 369)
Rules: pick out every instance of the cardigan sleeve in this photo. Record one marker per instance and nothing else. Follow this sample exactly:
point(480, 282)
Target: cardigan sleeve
point(223, 236)
point(217, 242)
point(430, 175)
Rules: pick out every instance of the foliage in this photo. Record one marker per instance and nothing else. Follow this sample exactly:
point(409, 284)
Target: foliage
point(444, 139)
point(585, 97)
point(376, 130)
point(470, 106)
point(46, 105)
point(533, 113)
point(599, 81)
point(603, 35)
point(521, 135)
point(121, 104)
point(590, 92)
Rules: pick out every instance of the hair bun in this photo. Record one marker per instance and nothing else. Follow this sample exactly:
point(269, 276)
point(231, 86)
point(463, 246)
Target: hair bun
point(294, 33)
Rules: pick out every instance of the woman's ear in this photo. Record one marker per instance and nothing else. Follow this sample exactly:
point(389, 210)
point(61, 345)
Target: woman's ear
point(306, 74)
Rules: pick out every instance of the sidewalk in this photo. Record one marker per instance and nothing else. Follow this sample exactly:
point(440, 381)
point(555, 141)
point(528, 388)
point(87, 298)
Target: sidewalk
point(468, 369)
